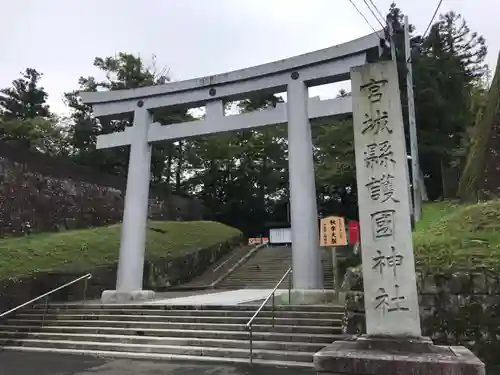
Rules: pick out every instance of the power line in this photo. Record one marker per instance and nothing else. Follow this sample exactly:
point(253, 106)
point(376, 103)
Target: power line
point(432, 19)
point(378, 11)
point(362, 15)
point(373, 13)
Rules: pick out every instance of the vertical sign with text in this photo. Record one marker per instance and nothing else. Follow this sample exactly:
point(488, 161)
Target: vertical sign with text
point(333, 231)
point(391, 300)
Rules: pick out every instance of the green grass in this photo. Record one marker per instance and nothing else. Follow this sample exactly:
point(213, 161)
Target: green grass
point(458, 237)
point(86, 248)
point(432, 213)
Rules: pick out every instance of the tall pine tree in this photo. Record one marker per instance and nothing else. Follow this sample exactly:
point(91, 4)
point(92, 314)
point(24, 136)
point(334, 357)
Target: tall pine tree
point(25, 99)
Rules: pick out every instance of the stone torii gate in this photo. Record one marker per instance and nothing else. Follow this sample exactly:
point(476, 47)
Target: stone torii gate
point(293, 75)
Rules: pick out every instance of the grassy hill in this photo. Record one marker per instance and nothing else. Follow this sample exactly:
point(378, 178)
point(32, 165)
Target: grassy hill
point(82, 249)
point(454, 236)
point(449, 236)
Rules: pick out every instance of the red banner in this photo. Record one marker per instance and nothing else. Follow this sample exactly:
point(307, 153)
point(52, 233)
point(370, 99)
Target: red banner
point(353, 232)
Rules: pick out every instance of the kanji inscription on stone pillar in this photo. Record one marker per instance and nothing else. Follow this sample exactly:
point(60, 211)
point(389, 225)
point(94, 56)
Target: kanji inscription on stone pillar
point(391, 299)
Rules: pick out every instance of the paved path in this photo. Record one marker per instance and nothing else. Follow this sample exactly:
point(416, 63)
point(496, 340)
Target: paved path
point(15, 363)
point(231, 297)
point(204, 297)
point(159, 296)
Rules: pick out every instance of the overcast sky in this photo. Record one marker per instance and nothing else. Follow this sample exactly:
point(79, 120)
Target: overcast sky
point(193, 38)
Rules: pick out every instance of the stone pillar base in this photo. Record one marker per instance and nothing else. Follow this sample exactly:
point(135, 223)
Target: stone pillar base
point(115, 296)
point(368, 355)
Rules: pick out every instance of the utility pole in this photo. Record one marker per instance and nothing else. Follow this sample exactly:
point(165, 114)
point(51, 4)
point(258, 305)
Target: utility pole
point(415, 165)
point(390, 31)
point(391, 39)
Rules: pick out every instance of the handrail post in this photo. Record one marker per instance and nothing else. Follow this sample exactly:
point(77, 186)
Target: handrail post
point(45, 310)
point(85, 290)
point(271, 295)
point(290, 288)
point(273, 311)
point(251, 345)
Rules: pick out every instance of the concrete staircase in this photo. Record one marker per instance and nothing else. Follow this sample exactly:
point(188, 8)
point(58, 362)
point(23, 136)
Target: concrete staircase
point(326, 262)
point(220, 269)
point(210, 333)
point(266, 267)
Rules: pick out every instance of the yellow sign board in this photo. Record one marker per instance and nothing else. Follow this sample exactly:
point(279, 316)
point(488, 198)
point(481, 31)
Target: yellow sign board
point(258, 240)
point(333, 231)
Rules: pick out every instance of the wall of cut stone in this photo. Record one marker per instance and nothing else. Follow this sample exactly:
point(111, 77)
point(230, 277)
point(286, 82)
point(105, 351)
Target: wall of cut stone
point(39, 193)
point(456, 308)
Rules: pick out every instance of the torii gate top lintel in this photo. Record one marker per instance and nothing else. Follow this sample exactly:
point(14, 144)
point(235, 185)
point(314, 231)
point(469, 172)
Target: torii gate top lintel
point(319, 67)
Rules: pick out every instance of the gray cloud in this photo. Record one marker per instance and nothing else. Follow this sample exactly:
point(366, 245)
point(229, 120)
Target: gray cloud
point(192, 37)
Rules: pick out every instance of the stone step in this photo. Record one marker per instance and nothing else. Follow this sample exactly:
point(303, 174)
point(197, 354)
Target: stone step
point(249, 307)
point(268, 272)
point(273, 264)
point(257, 277)
point(168, 341)
point(251, 282)
point(233, 285)
point(282, 261)
point(278, 266)
point(297, 356)
point(219, 313)
point(271, 270)
point(256, 282)
point(186, 333)
point(266, 267)
point(184, 319)
point(260, 271)
point(140, 325)
point(256, 260)
point(260, 274)
point(156, 356)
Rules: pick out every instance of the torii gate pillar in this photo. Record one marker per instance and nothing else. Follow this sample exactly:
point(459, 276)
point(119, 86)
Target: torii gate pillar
point(306, 256)
point(135, 215)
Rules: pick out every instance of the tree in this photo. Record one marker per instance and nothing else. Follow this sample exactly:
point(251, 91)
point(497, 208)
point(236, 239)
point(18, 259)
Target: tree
point(343, 93)
point(123, 71)
point(25, 99)
point(241, 176)
point(448, 63)
point(25, 118)
point(448, 69)
point(47, 135)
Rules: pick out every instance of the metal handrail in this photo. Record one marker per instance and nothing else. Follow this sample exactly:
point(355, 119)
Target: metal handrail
point(46, 295)
point(250, 322)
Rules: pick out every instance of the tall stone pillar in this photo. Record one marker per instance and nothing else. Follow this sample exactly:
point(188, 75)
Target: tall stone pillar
point(306, 256)
point(393, 343)
point(135, 215)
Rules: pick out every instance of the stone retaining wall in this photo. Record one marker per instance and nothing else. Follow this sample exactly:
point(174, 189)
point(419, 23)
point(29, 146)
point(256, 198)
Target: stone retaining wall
point(456, 308)
point(40, 193)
